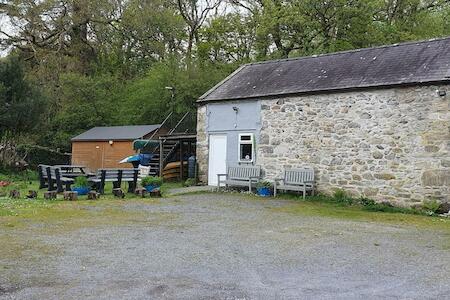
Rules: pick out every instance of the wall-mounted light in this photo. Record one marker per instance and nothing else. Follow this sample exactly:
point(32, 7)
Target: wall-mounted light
point(111, 142)
point(236, 109)
point(441, 93)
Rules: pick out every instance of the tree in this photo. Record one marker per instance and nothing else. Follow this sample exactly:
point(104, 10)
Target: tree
point(194, 13)
point(228, 39)
point(21, 102)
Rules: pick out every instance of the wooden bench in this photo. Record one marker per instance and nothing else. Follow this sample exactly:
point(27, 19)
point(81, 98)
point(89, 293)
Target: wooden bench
point(43, 178)
point(54, 177)
point(116, 176)
point(298, 180)
point(240, 176)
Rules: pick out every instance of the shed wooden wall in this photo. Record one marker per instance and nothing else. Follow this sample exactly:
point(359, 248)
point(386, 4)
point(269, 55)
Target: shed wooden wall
point(100, 154)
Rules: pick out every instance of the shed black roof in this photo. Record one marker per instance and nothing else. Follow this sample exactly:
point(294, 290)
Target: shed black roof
point(400, 64)
point(116, 133)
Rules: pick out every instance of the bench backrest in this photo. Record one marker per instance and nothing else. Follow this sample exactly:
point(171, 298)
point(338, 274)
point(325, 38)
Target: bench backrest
point(54, 172)
point(129, 173)
point(243, 173)
point(42, 170)
point(294, 176)
point(114, 173)
point(109, 173)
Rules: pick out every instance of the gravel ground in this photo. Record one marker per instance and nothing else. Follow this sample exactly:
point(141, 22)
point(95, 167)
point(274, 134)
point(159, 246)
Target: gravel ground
point(215, 246)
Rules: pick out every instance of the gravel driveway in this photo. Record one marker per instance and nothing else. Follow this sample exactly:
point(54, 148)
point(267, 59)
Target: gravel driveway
point(215, 246)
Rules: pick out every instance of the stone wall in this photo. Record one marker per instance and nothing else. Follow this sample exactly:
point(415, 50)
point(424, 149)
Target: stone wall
point(390, 144)
point(202, 144)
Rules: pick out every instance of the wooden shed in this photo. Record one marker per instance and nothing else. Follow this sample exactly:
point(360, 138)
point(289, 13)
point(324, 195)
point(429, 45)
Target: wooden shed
point(104, 147)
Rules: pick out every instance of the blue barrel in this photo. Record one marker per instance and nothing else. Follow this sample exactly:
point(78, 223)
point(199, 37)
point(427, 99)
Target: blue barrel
point(192, 166)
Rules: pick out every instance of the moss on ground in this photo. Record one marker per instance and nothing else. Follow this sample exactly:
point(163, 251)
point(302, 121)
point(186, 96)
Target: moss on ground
point(330, 210)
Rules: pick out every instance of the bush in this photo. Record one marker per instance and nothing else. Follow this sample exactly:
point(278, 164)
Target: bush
point(264, 184)
point(190, 182)
point(152, 180)
point(431, 205)
point(81, 182)
point(367, 202)
point(341, 196)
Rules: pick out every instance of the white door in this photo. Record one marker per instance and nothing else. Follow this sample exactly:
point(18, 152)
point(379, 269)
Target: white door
point(217, 157)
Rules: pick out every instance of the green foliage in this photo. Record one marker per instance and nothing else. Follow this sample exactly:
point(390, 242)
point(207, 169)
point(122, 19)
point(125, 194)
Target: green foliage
point(190, 182)
point(25, 175)
point(152, 180)
point(79, 64)
point(431, 205)
point(81, 182)
point(341, 196)
point(264, 184)
point(21, 103)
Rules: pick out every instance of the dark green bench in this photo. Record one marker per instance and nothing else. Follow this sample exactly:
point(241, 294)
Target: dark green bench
point(116, 176)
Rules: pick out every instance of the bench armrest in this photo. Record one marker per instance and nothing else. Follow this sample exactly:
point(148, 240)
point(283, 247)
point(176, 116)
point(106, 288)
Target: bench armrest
point(254, 179)
point(221, 175)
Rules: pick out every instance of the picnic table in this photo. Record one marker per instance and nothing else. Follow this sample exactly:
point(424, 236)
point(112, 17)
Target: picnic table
point(72, 171)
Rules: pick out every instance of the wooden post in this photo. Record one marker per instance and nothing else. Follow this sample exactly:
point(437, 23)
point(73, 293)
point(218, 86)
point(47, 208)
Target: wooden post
point(14, 194)
point(93, 195)
point(118, 193)
point(71, 196)
point(181, 160)
point(161, 159)
point(141, 192)
point(32, 194)
point(50, 195)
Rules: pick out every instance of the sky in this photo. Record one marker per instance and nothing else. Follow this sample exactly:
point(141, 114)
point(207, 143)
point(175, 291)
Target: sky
point(6, 27)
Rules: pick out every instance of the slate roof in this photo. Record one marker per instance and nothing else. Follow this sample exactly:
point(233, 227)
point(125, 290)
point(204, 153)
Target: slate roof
point(116, 133)
point(400, 64)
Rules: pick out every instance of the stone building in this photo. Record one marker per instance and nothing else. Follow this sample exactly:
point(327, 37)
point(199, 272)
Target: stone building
point(374, 122)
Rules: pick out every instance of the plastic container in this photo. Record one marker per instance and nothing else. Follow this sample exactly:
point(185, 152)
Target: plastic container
point(192, 165)
point(264, 192)
point(81, 191)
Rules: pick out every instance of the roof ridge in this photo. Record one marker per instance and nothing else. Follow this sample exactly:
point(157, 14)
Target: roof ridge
point(347, 51)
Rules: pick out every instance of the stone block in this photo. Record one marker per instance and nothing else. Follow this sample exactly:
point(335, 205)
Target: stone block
point(436, 178)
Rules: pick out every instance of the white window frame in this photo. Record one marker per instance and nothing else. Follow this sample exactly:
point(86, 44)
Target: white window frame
point(249, 142)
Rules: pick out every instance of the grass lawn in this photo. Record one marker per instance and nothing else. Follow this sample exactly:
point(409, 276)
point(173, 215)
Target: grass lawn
point(13, 212)
point(34, 208)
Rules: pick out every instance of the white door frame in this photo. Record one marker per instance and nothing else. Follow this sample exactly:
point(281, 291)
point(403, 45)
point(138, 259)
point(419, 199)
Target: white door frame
point(219, 152)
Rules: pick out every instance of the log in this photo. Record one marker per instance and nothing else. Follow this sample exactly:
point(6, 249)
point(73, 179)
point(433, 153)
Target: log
point(93, 195)
point(32, 194)
point(70, 196)
point(49, 195)
point(14, 194)
point(118, 193)
point(141, 192)
point(155, 193)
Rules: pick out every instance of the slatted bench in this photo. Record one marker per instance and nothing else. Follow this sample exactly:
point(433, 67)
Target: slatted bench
point(116, 176)
point(240, 176)
point(43, 178)
point(298, 180)
point(54, 177)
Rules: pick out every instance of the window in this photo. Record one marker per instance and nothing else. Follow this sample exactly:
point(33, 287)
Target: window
point(245, 147)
